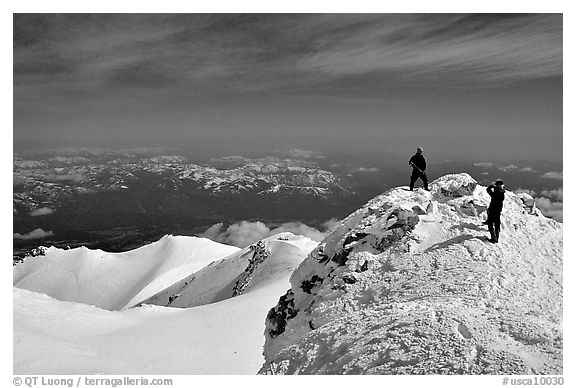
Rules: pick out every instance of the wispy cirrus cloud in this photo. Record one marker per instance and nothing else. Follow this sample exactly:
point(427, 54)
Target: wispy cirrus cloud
point(491, 48)
point(321, 81)
point(87, 54)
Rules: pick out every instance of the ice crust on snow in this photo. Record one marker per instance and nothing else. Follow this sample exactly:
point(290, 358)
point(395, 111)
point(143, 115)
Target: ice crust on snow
point(409, 284)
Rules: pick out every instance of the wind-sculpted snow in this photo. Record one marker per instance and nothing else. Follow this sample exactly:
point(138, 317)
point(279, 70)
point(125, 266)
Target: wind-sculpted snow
point(114, 281)
point(222, 333)
point(409, 284)
point(176, 271)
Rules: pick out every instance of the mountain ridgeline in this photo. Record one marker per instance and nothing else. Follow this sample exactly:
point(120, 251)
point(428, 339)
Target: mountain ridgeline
point(409, 284)
point(117, 201)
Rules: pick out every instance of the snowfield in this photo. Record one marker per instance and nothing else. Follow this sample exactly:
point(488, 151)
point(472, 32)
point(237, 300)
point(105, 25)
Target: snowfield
point(61, 337)
point(407, 284)
point(114, 281)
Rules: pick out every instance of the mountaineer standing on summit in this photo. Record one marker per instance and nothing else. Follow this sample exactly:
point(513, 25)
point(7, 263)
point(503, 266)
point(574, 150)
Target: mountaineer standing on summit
point(418, 164)
point(496, 192)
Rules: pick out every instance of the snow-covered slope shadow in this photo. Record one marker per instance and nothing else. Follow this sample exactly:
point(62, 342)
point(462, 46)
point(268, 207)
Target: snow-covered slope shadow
point(114, 281)
point(225, 337)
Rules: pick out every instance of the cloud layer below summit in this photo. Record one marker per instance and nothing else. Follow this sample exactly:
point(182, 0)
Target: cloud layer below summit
point(244, 233)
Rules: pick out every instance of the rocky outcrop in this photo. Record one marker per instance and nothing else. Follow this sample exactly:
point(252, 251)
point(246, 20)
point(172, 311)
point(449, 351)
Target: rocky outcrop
point(34, 252)
point(455, 185)
point(528, 203)
point(409, 284)
point(260, 252)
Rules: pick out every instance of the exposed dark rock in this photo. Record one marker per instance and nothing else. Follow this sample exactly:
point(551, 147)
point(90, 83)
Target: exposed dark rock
point(307, 285)
point(349, 279)
point(341, 256)
point(354, 237)
point(404, 219)
point(418, 210)
point(261, 253)
point(322, 258)
point(35, 252)
point(279, 315)
point(319, 254)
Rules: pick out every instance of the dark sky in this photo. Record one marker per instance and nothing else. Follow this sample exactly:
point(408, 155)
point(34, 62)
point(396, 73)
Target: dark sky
point(487, 87)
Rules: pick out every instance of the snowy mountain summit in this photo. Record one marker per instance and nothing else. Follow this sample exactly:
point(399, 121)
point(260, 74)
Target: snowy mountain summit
point(410, 284)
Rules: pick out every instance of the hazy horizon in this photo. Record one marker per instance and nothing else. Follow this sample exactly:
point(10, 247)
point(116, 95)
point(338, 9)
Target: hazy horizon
point(482, 87)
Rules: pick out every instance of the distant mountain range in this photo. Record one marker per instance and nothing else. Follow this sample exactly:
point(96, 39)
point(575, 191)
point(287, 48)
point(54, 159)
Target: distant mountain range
point(78, 192)
point(56, 179)
point(119, 199)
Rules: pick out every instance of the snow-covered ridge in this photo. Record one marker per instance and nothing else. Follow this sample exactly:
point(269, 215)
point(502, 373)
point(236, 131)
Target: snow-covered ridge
point(114, 281)
point(218, 329)
point(409, 284)
point(176, 271)
point(235, 274)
